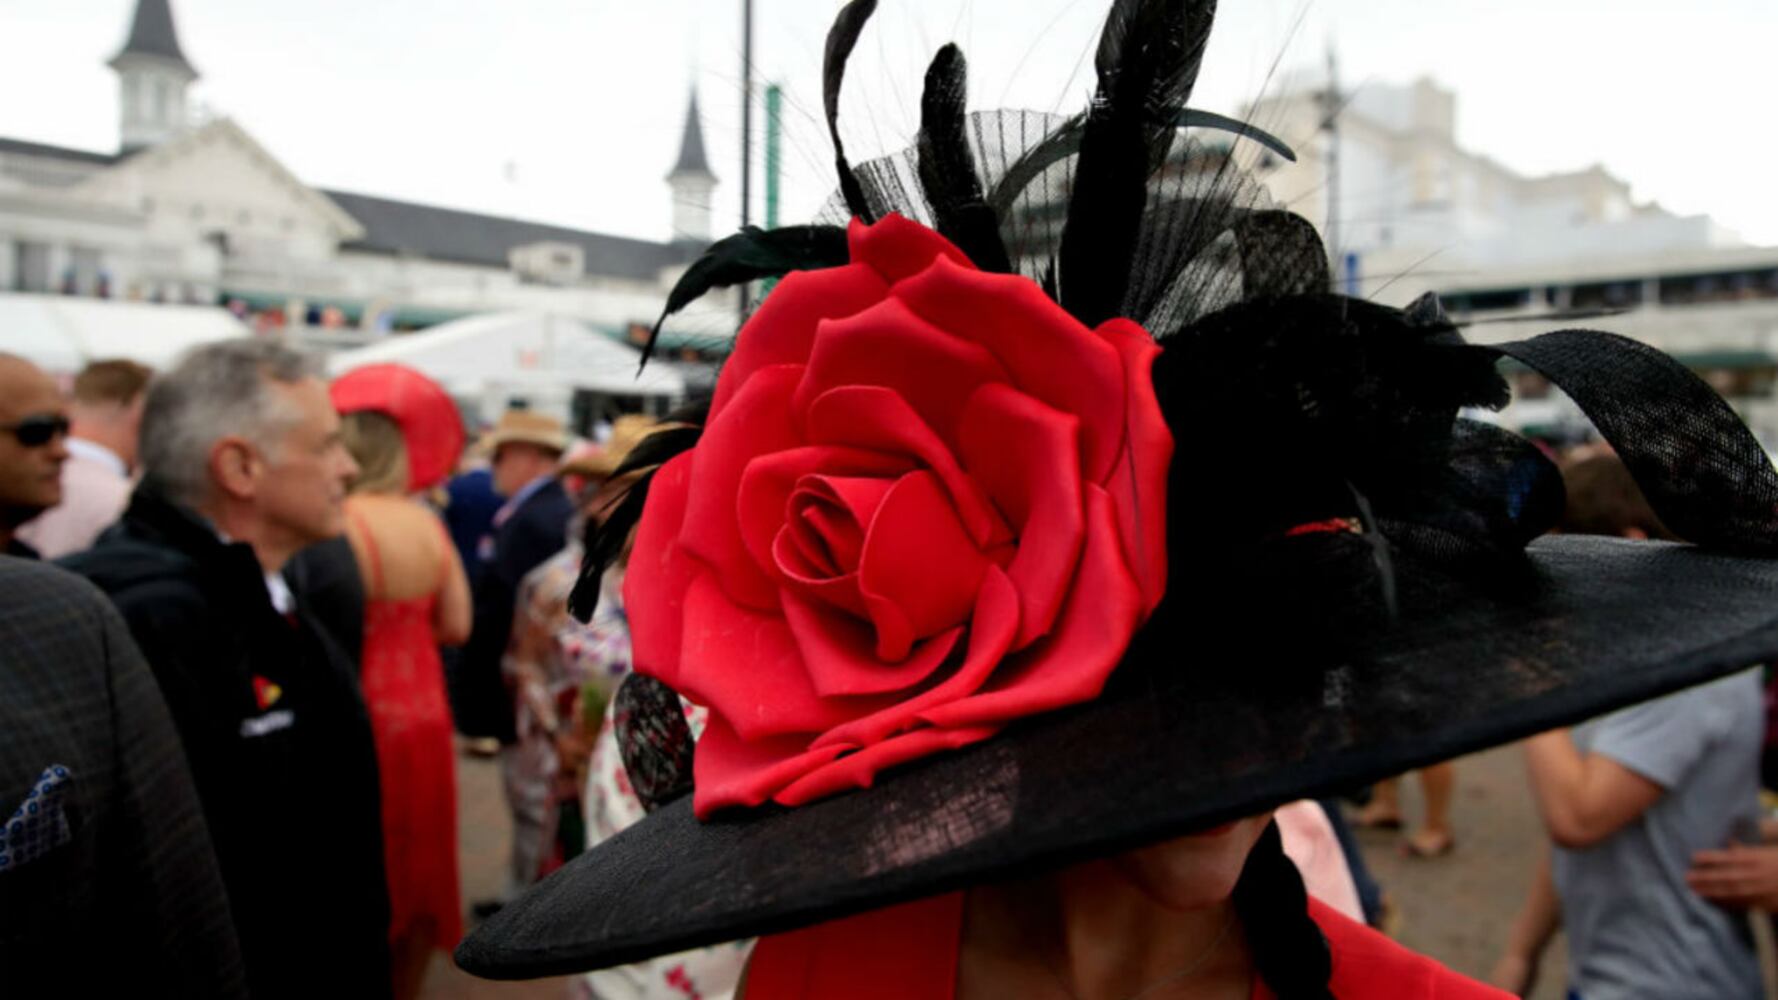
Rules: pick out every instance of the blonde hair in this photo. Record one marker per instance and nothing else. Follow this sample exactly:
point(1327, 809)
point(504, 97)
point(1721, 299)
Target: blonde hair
point(377, 446)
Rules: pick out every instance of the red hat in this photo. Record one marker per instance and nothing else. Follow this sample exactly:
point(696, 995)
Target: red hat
point(429, 421)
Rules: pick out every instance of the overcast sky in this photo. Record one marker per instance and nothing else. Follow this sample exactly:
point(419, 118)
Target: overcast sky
point(569, 111)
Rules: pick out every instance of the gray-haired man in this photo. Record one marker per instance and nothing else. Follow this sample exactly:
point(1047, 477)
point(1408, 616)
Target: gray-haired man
point(242, 466)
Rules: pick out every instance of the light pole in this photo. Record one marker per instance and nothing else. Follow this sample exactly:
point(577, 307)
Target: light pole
point(746, 130)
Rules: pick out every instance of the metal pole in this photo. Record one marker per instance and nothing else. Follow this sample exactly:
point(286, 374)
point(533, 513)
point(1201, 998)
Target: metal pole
point(1331, 124)
point(774, 134)
point(746, 129)
point(774, 166)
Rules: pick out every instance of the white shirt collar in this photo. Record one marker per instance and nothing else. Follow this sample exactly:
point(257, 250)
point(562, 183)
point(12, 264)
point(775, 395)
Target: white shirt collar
point(93, 451)
point(282, 599)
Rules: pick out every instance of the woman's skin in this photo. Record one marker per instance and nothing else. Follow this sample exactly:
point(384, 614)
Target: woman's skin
point(1107, 930)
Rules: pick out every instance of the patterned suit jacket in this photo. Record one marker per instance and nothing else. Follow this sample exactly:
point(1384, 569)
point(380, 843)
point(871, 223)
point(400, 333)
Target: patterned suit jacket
point(108, 884)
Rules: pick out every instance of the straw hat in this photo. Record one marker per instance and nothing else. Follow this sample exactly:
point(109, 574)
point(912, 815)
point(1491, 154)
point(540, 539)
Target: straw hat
point(526, 427)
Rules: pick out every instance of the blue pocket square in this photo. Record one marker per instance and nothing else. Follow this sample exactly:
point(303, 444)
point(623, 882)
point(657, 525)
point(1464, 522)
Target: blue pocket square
point(40, 823)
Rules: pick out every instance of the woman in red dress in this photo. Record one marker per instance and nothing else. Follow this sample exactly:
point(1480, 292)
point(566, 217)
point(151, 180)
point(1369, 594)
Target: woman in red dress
point(416, 598)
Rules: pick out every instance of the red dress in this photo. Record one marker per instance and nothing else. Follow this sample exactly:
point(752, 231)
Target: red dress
point(911, 951)
point(410, 719)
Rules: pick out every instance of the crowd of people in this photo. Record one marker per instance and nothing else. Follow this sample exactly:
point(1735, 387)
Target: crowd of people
point(232, 677)
point(254, 755)
point(956, 647)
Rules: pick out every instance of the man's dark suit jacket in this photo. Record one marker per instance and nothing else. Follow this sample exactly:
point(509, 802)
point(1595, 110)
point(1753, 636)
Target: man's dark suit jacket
point(536, 530)
point(108, 883)
point(274, 724)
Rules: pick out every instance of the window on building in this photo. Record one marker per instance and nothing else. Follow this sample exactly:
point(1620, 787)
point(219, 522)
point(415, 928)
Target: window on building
point(163, 102)
point(83, 269)
point(1491, 300)
point(1606, 295)
point(30, 266)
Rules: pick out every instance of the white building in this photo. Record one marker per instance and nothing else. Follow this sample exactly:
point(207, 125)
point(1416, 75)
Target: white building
point(202, 213)
point(1416, 213)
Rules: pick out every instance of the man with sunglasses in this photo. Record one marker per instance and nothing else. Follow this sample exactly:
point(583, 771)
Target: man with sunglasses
point(33, 446)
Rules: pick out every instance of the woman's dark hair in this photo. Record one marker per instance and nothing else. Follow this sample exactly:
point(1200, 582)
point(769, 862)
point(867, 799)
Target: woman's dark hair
point(1289, 951)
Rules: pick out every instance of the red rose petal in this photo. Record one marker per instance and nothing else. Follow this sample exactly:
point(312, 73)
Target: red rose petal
point(887, 345)
point(1026, 456)
point(1138, 481)
point(783, 327)
point(1049, 354)
point(659, 573)
point(746, 666)
point(840, 652)
point(768, 480)
point(918, 559)
point(859, 770)
point(839, 591)
point(896, 247)
point(990, 635)
point(728, 771)
point(757, 421)
point(1070, 665)
point(830, 539)
point(875, 418)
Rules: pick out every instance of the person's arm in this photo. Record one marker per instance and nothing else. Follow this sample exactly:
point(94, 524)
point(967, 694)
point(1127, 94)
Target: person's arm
point(1541, 914)
point(159, 869)
point(1739, 875)
point(454, 613)
point(1583, 799)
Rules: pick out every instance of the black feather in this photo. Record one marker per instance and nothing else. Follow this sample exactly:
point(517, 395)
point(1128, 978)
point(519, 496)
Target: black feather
point(605, 541)
point(1148, 60)
point(841, 39)
point(657, 447)
point(748, 255)
point(608, 531)
point(1193, 118)
point(947, 167)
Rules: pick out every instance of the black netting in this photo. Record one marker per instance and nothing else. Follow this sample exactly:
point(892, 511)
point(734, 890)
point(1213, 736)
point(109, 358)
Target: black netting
point(1703, 472)
point(1195, 247)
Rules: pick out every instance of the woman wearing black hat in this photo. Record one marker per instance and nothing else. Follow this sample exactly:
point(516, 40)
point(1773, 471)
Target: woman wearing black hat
point(980, 591)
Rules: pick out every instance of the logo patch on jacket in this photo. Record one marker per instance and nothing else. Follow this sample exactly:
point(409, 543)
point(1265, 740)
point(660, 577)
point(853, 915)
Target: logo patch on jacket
point(266, 693)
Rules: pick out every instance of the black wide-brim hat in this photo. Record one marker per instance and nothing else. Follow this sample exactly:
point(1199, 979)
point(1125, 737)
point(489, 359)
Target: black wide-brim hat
point(1178, 742)
point(1357, 582)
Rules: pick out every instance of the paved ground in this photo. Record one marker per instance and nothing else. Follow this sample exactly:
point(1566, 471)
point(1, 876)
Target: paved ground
point(1456, 908)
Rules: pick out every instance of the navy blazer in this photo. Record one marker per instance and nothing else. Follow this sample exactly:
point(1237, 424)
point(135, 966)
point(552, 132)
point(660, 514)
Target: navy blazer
point(537, 529)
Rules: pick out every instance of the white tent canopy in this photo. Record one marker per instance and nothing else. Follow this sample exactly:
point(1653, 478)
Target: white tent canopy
point(60, 334)
point(540, 357)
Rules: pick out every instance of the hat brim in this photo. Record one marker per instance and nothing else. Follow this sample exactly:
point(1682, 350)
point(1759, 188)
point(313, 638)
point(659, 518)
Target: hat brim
point(495, 440)
point(1591, 624)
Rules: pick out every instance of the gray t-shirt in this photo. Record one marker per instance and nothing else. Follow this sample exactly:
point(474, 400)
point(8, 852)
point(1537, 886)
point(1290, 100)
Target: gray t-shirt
point(1635, 929)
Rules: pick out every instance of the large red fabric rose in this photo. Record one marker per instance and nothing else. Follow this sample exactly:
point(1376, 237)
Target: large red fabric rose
point(927, 502)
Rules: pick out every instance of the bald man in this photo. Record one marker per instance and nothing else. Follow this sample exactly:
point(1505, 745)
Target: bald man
point(33, 446)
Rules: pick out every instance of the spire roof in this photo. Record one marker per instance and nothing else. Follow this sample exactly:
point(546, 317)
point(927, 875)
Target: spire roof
point(691, 146)
point(152, 34)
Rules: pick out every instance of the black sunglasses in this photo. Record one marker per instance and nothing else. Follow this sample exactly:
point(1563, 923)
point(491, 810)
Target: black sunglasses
point(38, 429)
